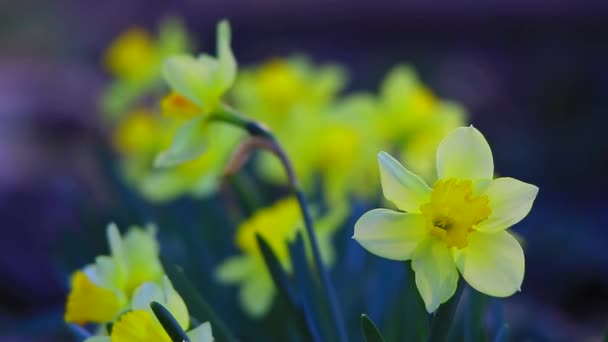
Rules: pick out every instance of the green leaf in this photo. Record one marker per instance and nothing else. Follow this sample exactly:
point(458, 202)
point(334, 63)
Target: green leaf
point(306, 286)
point(473, 316)
point(197, 306)
point(276, 271)
point(442, 321)
point(416, 321)
point(370, 332)
point(169, 323)
point(281, 280)
point(189, 142)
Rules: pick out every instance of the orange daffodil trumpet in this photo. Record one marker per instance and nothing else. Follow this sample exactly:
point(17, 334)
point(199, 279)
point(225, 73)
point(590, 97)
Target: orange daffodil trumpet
point(457, 226)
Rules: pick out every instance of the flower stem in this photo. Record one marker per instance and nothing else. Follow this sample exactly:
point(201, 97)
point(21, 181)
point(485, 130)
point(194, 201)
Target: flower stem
point(442, 320)
point(230, 116)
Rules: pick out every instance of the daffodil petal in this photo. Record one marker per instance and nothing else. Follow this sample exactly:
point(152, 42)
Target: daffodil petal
point(202, 333)
point(492, 263)
point(226, 62)
point(98, 339)
point(187, 76)
point(436, 274)
point(510, 201)
point(256, 295)
point(235, 269)
point(400, 186)
point(465, 154)
point(390, 234)
point(138, 326)
point(189, 142)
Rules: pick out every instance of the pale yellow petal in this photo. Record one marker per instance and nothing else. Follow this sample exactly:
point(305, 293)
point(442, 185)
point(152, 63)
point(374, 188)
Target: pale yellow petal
point(436, 273)
point(138, 326)
point(235, 269)
point(510, 201)
point(465, 154)
point(400, 186)
point(202, 333)
point(493, 263)
point(256, 294)
point(390, 234)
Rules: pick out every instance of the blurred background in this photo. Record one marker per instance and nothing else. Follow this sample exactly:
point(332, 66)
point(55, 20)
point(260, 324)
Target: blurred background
point(533, 76)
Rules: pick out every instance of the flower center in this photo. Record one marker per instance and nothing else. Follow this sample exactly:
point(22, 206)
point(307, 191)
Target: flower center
point(454, 211)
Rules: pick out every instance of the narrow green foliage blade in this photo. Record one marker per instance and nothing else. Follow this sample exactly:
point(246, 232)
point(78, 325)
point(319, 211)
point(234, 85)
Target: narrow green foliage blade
point(197, 306)
point(281, 281)
point(445, 314)
point(370, 332)
point(306, 284)
point(166, 319)
point(473, 316)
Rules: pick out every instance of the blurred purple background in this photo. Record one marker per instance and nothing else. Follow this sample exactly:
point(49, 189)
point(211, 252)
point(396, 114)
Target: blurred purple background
point(533, 74)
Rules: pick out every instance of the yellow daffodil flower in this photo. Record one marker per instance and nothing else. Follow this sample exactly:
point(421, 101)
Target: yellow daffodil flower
point(197, 86)
point(280, 90)
point(134, 60)
point(411, 116)
point(102, 290)
point(458, 225)
point(277, 225)
point(142, 134)
point(139, 324)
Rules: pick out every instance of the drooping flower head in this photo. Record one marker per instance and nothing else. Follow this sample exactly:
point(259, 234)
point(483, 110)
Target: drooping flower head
point(197, 87)
point(277, 225)
point(458, 225)
point(142, 134)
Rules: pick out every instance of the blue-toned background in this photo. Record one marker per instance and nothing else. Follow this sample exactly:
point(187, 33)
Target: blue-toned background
point(534, 78)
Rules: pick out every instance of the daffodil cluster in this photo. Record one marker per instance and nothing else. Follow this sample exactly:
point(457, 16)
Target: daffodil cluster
point(161, 148)
point(457, 226)
point(331, 137)
point(118, 289)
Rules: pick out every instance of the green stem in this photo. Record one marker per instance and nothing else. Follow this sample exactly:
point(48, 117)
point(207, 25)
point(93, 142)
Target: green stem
point(442, 321)
point(229, 115)
point(246, 191)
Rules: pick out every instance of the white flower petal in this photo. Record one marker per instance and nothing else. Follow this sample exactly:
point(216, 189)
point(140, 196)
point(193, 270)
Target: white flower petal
point(492, 263)
point(390, 234)
point(465, 154)
point(436, 274)
point(510, 201)
point(400, 186)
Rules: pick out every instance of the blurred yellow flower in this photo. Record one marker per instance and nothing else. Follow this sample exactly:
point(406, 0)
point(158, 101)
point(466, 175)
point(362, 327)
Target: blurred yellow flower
point(142, 134)
point(134, 60)
point(411, 116)
point(197, 87)
point(458, 225)
point(277, 225)
point(139, 324)
point(283, 92)
point(102, 290)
